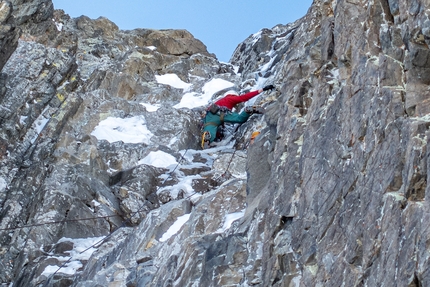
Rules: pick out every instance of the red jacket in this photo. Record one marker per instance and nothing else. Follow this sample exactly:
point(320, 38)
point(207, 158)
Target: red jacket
point(230, 101)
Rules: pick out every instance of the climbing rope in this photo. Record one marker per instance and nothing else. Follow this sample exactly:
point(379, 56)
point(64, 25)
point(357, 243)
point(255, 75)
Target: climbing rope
point(89, 218)
point(100, 242)
point(222, 175)
point(58, 222)
point(123, 224)
point(117, 215)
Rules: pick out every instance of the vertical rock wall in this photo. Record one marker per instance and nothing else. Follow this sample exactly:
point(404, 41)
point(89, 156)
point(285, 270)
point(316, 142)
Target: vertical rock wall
point(346, 201)
point(9, 33)
point(332, 192)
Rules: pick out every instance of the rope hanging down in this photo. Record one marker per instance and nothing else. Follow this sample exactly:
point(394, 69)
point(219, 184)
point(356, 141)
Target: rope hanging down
point(225, 172)
point(58, 222)
point(100, 242)
point(124, 222)
point(89, 218)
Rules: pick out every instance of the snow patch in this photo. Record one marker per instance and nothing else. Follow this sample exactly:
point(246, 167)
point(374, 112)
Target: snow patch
point(39, 124)
point(58, 25)
point(184, 185)
point(22, 119)
point(3, 184)
point(268, 65)
point(334, 79)
point(159, 159)
point(95, 203)
point(193, 100)
point(82, 250)
point(175, 227)
point(129, 130)
point(256, 37)
point(69, 269)
point(172, 80)
point(229, 219)
point(151, 108)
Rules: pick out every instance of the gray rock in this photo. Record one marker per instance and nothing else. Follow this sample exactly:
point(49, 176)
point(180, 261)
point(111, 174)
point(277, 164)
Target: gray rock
point(9, 33)
point(333, 190)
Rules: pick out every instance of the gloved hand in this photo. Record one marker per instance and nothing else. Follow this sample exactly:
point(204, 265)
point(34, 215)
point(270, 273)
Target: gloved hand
point(269, 87)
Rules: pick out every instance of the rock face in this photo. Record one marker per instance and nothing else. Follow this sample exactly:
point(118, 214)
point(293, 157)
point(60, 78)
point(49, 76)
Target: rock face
point(9, 33)
point(331, 192)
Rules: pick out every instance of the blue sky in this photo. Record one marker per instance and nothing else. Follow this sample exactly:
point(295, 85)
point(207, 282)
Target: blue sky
point(221, 24)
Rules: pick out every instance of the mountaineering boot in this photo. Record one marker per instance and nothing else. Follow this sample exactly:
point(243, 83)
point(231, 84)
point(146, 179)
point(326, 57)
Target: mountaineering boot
point(254, 109)
point(206, 136)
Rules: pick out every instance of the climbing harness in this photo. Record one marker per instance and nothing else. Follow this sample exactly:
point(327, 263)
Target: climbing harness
point(206, 136)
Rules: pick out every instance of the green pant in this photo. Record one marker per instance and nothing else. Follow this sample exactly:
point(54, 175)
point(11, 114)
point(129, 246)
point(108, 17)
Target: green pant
point(213, 121)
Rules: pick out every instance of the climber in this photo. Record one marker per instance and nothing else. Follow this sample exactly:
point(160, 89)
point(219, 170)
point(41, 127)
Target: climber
point(221, 111)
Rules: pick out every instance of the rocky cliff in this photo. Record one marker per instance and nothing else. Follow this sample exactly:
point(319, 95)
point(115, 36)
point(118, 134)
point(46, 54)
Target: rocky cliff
point(102, 182)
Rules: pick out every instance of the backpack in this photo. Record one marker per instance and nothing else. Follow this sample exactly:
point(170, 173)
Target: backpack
point(215, 109)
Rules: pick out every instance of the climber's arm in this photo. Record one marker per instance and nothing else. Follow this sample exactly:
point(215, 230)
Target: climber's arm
point(247, 96)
